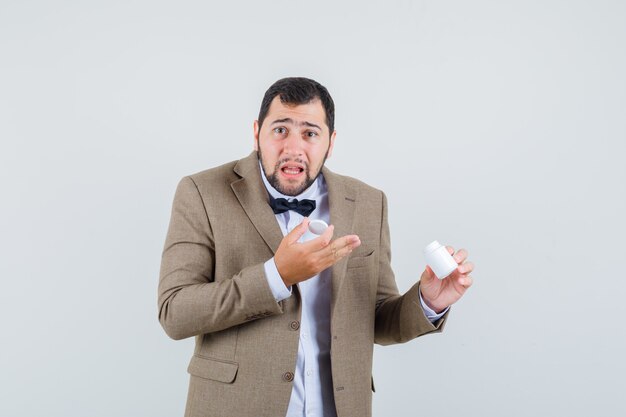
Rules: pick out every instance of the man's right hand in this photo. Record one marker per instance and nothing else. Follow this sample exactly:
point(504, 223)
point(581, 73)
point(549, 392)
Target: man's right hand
point(298, 262)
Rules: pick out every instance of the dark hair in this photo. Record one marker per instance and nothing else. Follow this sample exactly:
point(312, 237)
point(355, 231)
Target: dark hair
point(299, 90)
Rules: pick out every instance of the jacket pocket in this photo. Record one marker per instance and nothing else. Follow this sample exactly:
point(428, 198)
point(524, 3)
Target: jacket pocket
point(360, 261)
point(213, 369)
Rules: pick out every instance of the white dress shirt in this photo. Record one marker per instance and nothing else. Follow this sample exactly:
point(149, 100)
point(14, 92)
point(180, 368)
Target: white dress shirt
point(312, 394)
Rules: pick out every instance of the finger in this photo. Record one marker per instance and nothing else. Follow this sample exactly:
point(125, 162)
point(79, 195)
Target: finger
point(328, 235)
point(460, 256)
point(319, 242)
point(338, 254)
point(466, 268)
point(466, 281)
point(450, 250)
point(298, 231)
point(339, 248)
point(349, 242)
point(428, 274)
point(352, 241)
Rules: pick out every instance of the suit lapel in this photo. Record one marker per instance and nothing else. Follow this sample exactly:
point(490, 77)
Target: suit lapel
point(251, 193)
point(253, 197)
point(341, 200)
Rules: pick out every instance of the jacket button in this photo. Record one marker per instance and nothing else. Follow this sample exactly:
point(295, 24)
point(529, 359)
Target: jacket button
point(288, 376)
point(294, 325)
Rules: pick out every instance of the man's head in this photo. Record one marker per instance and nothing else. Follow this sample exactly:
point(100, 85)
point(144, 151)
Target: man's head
point(294, 133)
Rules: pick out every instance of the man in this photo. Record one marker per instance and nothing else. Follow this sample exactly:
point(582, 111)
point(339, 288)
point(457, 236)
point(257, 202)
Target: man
point(284, 320)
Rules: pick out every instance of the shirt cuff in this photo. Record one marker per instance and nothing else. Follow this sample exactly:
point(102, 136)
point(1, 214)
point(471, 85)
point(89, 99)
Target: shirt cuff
point(277, 285)
point(429, 312)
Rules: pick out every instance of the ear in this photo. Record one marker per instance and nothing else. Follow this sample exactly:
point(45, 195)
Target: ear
point(256, 135)
point(332, 144)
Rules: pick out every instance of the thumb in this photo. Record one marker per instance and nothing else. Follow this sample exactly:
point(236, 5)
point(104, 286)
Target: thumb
point(298, 231)
point(428, 274)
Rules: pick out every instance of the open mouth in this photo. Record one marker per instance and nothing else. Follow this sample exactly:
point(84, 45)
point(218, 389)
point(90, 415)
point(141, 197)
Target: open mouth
point(292, 170)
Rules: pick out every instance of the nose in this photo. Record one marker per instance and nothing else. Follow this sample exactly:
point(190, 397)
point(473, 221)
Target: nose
point(293, 144)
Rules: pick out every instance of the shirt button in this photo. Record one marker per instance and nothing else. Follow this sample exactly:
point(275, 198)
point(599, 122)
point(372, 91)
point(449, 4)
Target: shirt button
point(304, 335)
point(294, 325)
point(309, 372)
point(288, 376)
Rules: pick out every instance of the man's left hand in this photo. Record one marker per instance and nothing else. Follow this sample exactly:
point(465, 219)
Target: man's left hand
point(440, 294)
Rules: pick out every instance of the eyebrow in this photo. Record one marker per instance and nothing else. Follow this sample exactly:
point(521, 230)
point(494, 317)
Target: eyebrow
point(290, 120)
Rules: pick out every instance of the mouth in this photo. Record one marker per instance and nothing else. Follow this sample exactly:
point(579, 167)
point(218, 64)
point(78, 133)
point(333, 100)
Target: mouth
point(292, 170)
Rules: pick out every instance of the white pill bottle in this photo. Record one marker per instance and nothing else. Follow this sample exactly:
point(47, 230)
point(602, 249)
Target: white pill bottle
point(439, 260)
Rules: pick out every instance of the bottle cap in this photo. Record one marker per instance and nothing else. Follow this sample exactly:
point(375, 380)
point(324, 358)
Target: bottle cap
point(434, 245)
point(318, 227)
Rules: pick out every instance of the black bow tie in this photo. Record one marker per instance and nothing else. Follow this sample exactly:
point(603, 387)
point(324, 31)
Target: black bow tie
point(281, 205)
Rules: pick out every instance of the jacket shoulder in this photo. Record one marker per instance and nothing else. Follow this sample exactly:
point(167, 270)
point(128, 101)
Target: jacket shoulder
point(216, 175)
point(360, 188)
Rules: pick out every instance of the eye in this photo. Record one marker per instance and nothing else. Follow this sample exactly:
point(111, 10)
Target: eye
point(311, 134)
point(280, 130)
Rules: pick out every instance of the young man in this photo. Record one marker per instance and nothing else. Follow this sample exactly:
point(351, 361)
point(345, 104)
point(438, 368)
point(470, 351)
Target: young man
point(285, 320)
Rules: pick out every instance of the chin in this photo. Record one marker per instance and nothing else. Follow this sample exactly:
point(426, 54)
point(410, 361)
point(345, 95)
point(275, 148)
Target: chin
point(292, 190)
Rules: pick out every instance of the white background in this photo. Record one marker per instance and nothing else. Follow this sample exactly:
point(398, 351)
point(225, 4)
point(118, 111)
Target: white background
point(498, 126)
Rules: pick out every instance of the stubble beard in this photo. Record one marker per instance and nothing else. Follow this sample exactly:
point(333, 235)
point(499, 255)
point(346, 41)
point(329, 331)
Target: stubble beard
point(274, 180)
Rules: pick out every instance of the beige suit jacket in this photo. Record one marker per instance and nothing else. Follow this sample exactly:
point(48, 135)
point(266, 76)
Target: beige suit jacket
point(213, 286)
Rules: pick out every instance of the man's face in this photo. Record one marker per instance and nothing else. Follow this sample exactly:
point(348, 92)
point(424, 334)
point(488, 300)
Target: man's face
point(293, 144)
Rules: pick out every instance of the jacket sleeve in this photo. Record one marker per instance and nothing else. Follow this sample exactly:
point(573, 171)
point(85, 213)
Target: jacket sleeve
point(399, 318)
point(190, 301)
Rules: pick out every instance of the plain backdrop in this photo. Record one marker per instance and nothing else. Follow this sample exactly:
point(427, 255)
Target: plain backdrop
point(498, 126)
